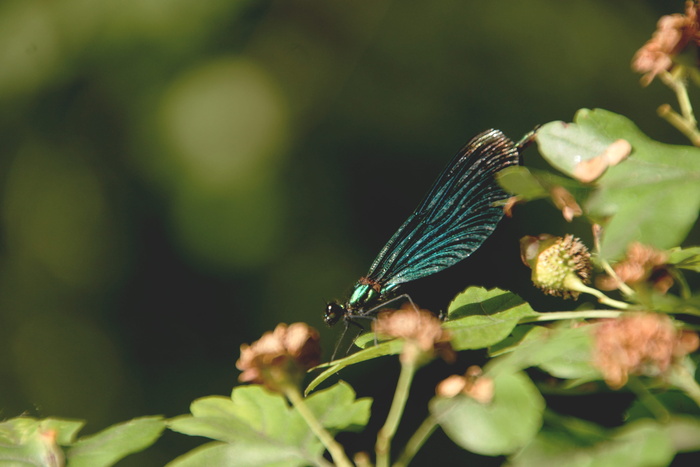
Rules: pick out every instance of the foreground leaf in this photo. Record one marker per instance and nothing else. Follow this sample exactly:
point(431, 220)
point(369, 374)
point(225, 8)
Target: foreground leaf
point(685, 258)
point(392, 347)
point(337, 409)
point(27, 441)
point(116, 442)
point(503, 426)
point(478, 318)
point(641, 443)
point(563, 352)
point(221, 454)
point(258, 428)
point(519, 180)
point(652, 197)
point(684, 433)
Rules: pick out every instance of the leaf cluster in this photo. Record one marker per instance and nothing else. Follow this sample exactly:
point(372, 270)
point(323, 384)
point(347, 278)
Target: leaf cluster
point(651, 196)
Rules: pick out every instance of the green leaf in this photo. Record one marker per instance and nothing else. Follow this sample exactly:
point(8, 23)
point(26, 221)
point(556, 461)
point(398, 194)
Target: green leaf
point(66, 430)
point(652, 197)
point(668, 303)
point(562, 352)
point(503, 426)
point(223, 454)
point(116, 442)
point(685, 258)
point(520, 334)
point(14, 430)
point(26, 441)
point(571, 355)
point(215, 418)
point(478, 317)
point(531, 184)
point(252, 416)
point(518, 180)
point(480, 301)
point(392, 347)
point(684, 433)
point(565, 145)
point(259, 428)
point(369, 339)
point(337, 409)
point(641, 443)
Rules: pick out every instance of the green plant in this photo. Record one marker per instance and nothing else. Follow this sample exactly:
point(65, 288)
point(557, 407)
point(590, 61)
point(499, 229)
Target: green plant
point(632, 331)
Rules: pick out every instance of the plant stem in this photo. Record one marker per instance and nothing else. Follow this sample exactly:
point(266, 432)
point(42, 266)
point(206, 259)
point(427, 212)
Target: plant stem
point(648, 400)
point(678, 276)
point(667, 113)
point(694, 75)
point(602, 298)
point(336, 450)
point(683, 379)
point(417, 441)
point(386, 433)
point(676, 81)
point(624, 288)
point(685, 122)
point(562, 315)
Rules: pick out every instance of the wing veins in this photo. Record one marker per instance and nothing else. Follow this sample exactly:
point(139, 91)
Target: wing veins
point(459, 205)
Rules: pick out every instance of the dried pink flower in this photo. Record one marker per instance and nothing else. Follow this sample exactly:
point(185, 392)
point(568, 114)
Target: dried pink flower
point(280, 357)
point(673, 33)
point(641, 344)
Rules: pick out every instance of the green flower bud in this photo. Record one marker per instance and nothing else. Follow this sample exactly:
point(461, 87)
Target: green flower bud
point(560, 265)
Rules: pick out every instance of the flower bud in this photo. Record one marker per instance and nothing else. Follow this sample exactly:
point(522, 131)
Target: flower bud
point(560, 265)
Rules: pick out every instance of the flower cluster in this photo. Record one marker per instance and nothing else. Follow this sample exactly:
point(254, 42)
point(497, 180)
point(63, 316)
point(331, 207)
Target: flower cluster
point(642, 263)
point(673, 33)
point(640, 344)
point(421, 330)
point(280, 357)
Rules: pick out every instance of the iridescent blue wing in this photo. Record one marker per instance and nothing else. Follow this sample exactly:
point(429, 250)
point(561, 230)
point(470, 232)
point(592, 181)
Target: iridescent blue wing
point(457, 215)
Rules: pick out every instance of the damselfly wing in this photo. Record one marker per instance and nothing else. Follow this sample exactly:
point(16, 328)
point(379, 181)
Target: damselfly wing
point(461, 210)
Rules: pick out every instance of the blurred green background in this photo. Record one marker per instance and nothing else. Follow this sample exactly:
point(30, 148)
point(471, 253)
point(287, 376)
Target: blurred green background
point(177, 177)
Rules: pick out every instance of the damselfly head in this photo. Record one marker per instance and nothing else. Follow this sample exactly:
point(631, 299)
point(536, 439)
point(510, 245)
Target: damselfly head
point(334, 311)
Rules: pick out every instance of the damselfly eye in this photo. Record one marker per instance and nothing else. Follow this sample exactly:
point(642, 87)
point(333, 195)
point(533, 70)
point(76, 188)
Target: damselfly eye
point(334, 312)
